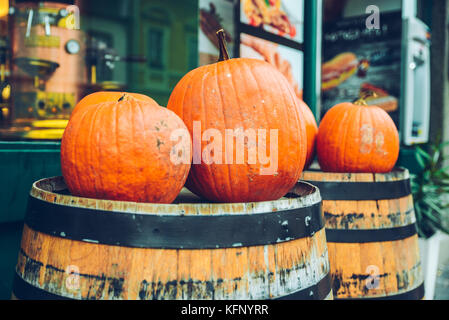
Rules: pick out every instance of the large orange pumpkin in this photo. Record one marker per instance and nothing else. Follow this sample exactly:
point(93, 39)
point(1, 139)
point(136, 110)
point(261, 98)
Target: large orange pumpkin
point(312, 131)
point(108, 96)
point(123, 150)
point(241, 95)
point(357, 138)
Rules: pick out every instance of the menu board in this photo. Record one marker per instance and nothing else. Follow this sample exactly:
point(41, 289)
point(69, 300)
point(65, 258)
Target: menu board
point(361, 62)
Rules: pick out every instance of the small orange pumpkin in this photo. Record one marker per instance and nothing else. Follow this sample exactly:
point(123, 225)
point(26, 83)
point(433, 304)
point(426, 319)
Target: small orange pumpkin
point(241, 94)
point(108, 96)
point(312, 131)
point(357, 138)
point(124, 150)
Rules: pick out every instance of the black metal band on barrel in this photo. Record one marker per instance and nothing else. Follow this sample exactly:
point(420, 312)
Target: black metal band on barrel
point(415, 294)
point(172, 231)
point(318, 291)
point(363, 191)
point(25, 291)
point(371, 235)
point(22, 290)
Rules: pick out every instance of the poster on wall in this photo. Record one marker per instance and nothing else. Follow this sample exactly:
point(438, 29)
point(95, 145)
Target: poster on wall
point(275, 34)
point(361, 62)
point(287, 60)
point(280, 17)
point(215, 15)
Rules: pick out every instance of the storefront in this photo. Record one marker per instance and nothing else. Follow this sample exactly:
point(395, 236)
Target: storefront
point(54, 53)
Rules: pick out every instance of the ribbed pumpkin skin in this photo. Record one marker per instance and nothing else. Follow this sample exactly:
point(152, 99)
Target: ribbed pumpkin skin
point(108, 96)
point(357, 139)
point(312, 131)
point(247, 94)
point(121, 151)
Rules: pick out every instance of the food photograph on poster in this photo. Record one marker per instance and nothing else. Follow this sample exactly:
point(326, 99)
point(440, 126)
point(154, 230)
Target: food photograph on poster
point(237, 150)
point(287, 60)
point(215, 15)
point(280, 17)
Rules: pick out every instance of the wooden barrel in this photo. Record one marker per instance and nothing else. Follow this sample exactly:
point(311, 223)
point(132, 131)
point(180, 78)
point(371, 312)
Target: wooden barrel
point(78, 248)
point(371, 233)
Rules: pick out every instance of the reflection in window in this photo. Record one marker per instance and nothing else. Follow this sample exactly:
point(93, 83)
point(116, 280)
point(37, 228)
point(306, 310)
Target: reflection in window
point(101, 44)
point(156, 50)
point(192, 52)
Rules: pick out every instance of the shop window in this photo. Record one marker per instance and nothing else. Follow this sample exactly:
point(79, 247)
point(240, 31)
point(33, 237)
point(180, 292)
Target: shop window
point(156, 48)
point(192, 52)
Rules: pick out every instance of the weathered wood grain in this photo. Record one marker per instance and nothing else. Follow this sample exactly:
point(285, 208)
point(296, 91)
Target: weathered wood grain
point(83, 270)
point(395, 265)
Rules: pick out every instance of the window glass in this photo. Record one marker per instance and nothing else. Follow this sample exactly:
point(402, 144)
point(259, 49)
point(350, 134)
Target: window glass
point(54, 53)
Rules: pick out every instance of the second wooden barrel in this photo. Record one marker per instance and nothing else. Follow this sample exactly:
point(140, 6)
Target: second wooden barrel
point(371, 233)
point(78, 248)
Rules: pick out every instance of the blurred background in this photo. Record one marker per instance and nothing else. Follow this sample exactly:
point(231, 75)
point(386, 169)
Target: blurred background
point(54, 53)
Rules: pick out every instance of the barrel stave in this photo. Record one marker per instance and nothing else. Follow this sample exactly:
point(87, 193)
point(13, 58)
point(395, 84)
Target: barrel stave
point(378, 267)
point(66, 267)
point(111, 272)
point(369, 214)
point(355, 268)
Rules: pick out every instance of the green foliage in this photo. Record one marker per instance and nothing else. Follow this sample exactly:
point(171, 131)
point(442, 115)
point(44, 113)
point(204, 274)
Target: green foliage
point(430, 190)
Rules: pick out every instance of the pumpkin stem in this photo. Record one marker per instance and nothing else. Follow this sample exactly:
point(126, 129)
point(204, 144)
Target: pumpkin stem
point(362, 99)
point(361, 102)
point(224, 55)
point(125, 97)
point(122, 98)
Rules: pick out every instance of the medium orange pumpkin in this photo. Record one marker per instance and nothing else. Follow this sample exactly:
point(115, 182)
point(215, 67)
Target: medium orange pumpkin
point(108, 96)
point(241, 94)
point(123, 150)
point(357, 138)
point(312, 131)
